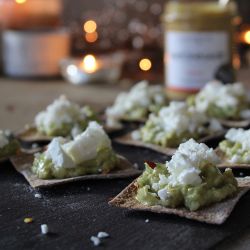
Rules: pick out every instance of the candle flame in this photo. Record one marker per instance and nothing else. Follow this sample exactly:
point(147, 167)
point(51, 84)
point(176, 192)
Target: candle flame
point(20, 1)
point(247, 37)
point(145, 64)
point(89, 64)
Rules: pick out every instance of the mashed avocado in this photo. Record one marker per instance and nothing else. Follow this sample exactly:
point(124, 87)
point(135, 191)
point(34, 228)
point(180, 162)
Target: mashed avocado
point(214, 188)
point(10, 149)
point(105, 161)
point(189, 179)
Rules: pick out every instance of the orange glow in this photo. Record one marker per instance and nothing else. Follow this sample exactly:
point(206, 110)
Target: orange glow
point(247, 37)
point(90, 26)
point(89, 64)
point(91, 37)
point(20, 1)
point(145, 64)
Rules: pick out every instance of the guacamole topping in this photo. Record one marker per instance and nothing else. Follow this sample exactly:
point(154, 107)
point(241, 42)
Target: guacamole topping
point(64, 118)
point(216, 99)
point(89, 153)
point(189, 179)
point(236, 146)
point(136, 104)
point(176, 124)
point(8, 145)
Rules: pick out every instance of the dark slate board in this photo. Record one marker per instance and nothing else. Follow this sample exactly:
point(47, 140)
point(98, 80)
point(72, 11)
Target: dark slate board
point(74, 214)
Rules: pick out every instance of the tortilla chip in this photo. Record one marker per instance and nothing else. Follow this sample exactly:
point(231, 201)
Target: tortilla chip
point(30, 134)
point(214, 214)
point(235, 124)
point(128, 140)
point(23, 163)
point(226, 164)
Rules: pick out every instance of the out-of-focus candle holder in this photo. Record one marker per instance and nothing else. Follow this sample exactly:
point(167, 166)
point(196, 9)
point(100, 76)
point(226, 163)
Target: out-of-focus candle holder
point(80, 71)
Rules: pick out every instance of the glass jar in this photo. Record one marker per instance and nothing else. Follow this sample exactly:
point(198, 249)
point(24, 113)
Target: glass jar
point(198, 43)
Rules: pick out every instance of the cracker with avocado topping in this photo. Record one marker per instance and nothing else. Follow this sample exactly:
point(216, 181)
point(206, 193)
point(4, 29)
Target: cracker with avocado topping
point(226, 164)
point(23, 164)
point(127, 139)
point(213, 214)
point(235, 123)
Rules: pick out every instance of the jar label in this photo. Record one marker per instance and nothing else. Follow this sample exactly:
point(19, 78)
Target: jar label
point(193, 58)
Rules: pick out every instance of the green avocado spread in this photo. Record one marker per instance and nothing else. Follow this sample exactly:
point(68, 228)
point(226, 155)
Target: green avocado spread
point(215, 187)
point(104, 162)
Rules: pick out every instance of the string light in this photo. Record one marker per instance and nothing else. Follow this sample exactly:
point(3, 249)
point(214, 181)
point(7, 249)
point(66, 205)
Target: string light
point(90, 26)
point(20, 1)
point(91, 37)
point(247, 37)
point(145, 64)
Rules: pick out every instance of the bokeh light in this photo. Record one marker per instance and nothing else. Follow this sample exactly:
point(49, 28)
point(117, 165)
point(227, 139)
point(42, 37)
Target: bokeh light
point(90, 26)
point(247, 37)
point(89, 64)
point(20, 1)
point(91, 37)
point(145, 64)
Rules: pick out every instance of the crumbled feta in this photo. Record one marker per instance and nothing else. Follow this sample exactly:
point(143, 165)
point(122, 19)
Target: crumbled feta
point(61, 111)
point(163, 194)
point(178, 118)
point(235, 159)
point(141, 95)
point(96, 241)
point(39, 196)
point(219, 94)
point(147, 221)
point(101, 235)
point(3, 139)
point(59, 157)
point(44, 229)
point(239, 136)
point(185, 163)
point(84, 147)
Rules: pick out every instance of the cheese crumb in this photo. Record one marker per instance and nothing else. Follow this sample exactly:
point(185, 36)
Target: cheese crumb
point(39, 196)
point(96, 241)
point(44, 229)
point(239, 136)
point(101, 235)
point(147, 221)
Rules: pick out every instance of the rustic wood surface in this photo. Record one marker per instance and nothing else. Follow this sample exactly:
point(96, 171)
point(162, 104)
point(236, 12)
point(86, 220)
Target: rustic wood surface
point(20, 100)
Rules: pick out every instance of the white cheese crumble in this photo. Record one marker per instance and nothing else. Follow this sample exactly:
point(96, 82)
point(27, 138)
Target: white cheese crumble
point(96, 241)
point(219, 94)
point(102, 235)
point(185, 163)
point(39, 196)
point(44, 229)
point(61, 111)
point(3, 139)
point(239, 136)
point(163, 194)
point(140, 95)
point(178, 118)
point(147, 221)
point(84, 147)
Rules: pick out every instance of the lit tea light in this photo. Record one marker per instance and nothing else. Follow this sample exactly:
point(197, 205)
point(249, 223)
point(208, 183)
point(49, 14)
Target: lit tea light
point(90, 26)
point(89, 64)
point(145, 64)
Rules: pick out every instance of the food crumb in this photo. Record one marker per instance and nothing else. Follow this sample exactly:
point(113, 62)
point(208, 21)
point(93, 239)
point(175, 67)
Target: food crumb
point(147, 221)
point(102, 235)
point(39, 196)
point(241, 174)
point(44, 229)
point(88, 188)
point(28, 220)
point(34, 145)
point(96, 241)
point(136, 165)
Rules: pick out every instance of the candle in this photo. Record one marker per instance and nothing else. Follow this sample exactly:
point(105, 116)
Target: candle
point(27, 14)
point(89, 64)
